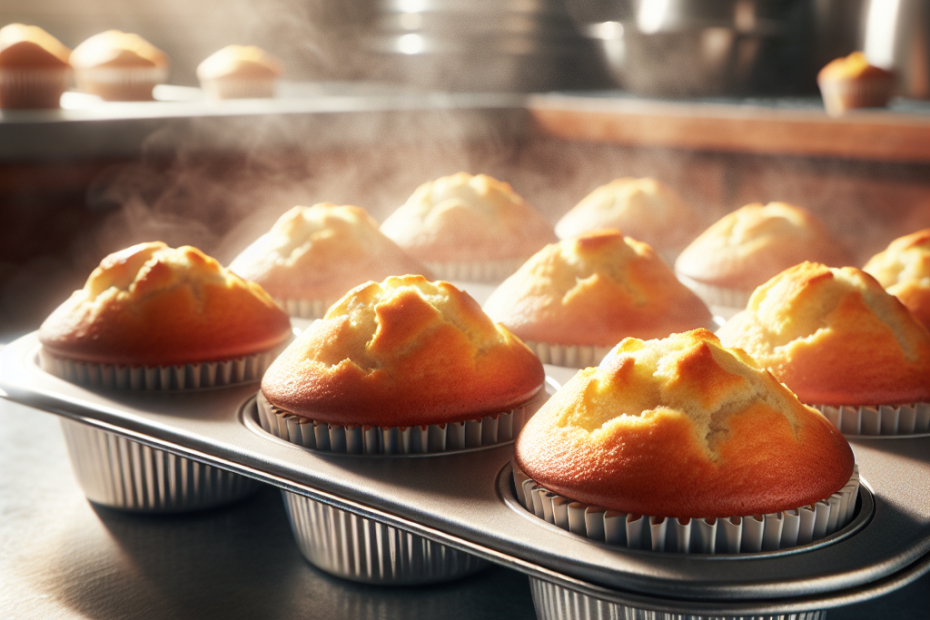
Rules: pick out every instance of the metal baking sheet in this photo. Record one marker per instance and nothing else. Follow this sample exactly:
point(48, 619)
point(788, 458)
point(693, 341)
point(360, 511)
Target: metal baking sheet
point(462, 500)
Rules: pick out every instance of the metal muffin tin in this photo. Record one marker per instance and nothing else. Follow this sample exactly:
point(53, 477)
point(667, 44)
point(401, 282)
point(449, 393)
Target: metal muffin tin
point(465, 501)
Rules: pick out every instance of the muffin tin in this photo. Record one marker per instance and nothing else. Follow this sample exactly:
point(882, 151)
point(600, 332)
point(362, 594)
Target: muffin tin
point(466, 501)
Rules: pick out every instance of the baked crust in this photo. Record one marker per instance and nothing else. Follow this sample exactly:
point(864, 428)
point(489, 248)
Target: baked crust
point(835, 337)
point(903, 268)
point(682, 427)
point(404, 352)
point(151, 305)
point(642, 208)
point(466, 218)
point(117, 49)
point(855, 66)
point(31, 47)
point(321, 252)
point(595, 289)
point(754, 243)
point(240, 61)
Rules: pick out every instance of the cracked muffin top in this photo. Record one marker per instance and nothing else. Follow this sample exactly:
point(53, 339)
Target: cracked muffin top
point(683, 427)
point(903, 268)
point(403, 352)
point(152, 305)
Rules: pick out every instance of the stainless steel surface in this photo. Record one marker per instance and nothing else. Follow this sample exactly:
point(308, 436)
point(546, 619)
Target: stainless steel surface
point(470, 514)
point(897, 36)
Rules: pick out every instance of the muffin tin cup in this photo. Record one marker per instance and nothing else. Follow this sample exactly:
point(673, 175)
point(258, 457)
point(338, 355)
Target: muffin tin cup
point(361, 549)
point(305, 308)
point(883, 420)
point(491, 271)
point(558, 602)
point(839, 96)
point(719, 296)
point(32, 88)
point(737, 534)
point(239, 88)
point(124, 474)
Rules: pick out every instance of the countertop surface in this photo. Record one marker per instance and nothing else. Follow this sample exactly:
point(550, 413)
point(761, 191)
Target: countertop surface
point(62, 557)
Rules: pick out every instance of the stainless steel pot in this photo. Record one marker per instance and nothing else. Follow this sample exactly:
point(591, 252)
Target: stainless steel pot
point(897, 36)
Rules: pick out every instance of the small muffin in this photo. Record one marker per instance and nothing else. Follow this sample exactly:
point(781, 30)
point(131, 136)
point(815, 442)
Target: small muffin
point(239, 72)
point(904, 270)
point(466, 227)
point(158, 307)
point(851, 82)
point(403, 353)
point(34, 68)
point(642, 208)
point(313, 255)
point(119, 66)
point(575, 299)
point(839, 341)
point(750, 245)
point(154, 318)
point(683, 428)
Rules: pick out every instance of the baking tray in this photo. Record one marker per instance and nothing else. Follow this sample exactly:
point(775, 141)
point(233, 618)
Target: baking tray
point(465, 500)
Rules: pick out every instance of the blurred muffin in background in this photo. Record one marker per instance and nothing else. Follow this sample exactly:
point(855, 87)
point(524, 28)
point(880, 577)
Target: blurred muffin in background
point(574, 300)
point(644, 209)
point(750, 245)
point(34, 68)
point(119, 66)
point(851, 82)
point(239, 72)
point(472, 228)
point(313, 255)
point(904, 270)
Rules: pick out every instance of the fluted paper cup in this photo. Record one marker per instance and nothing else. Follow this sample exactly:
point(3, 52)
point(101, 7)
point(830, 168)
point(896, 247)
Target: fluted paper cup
point(887, 420)
point(491, 271)
point(719, 296)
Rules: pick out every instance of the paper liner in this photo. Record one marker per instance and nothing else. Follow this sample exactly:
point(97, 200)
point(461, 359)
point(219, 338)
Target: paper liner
point(910, 419)
point(717, 295)
point(737, 534)
point(239, 88)
point(839, 96)
point(486, 431)
point(120, 83)
point(305, 308)
point(557, 602)
point(361, 549)
point(32, 88)
point(120, 473)
point(570, 356)
point(158, 378)
point(476, 271)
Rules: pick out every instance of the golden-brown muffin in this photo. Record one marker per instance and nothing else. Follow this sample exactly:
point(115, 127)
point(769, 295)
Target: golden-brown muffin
point(317, 254)
point(34, 68)
point(239, 72)
point(642, 208)
point(151, 305)
point(750, 245)
point(119, 66)
point(682, 427)
point(852, 82)
point(595, 289)
point(904, 270)
point(835, 337)
point(404, 352)
point(461, 226)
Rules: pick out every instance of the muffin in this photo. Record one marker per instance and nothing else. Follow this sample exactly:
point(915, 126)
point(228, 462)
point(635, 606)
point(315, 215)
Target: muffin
point(313, 255)
point(684, 430)
point(750, 245)
point(155, 318)
point(904, 270)
point(119, 66)
point(642, 208)
point(851, 82)
point(574, 300)
point(465, 227)
point(239, 72)
point(34, 68)
point(843, 344)
point(400, 367)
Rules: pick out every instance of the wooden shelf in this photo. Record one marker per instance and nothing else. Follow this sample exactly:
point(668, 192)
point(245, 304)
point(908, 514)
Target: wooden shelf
point(885, 135)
